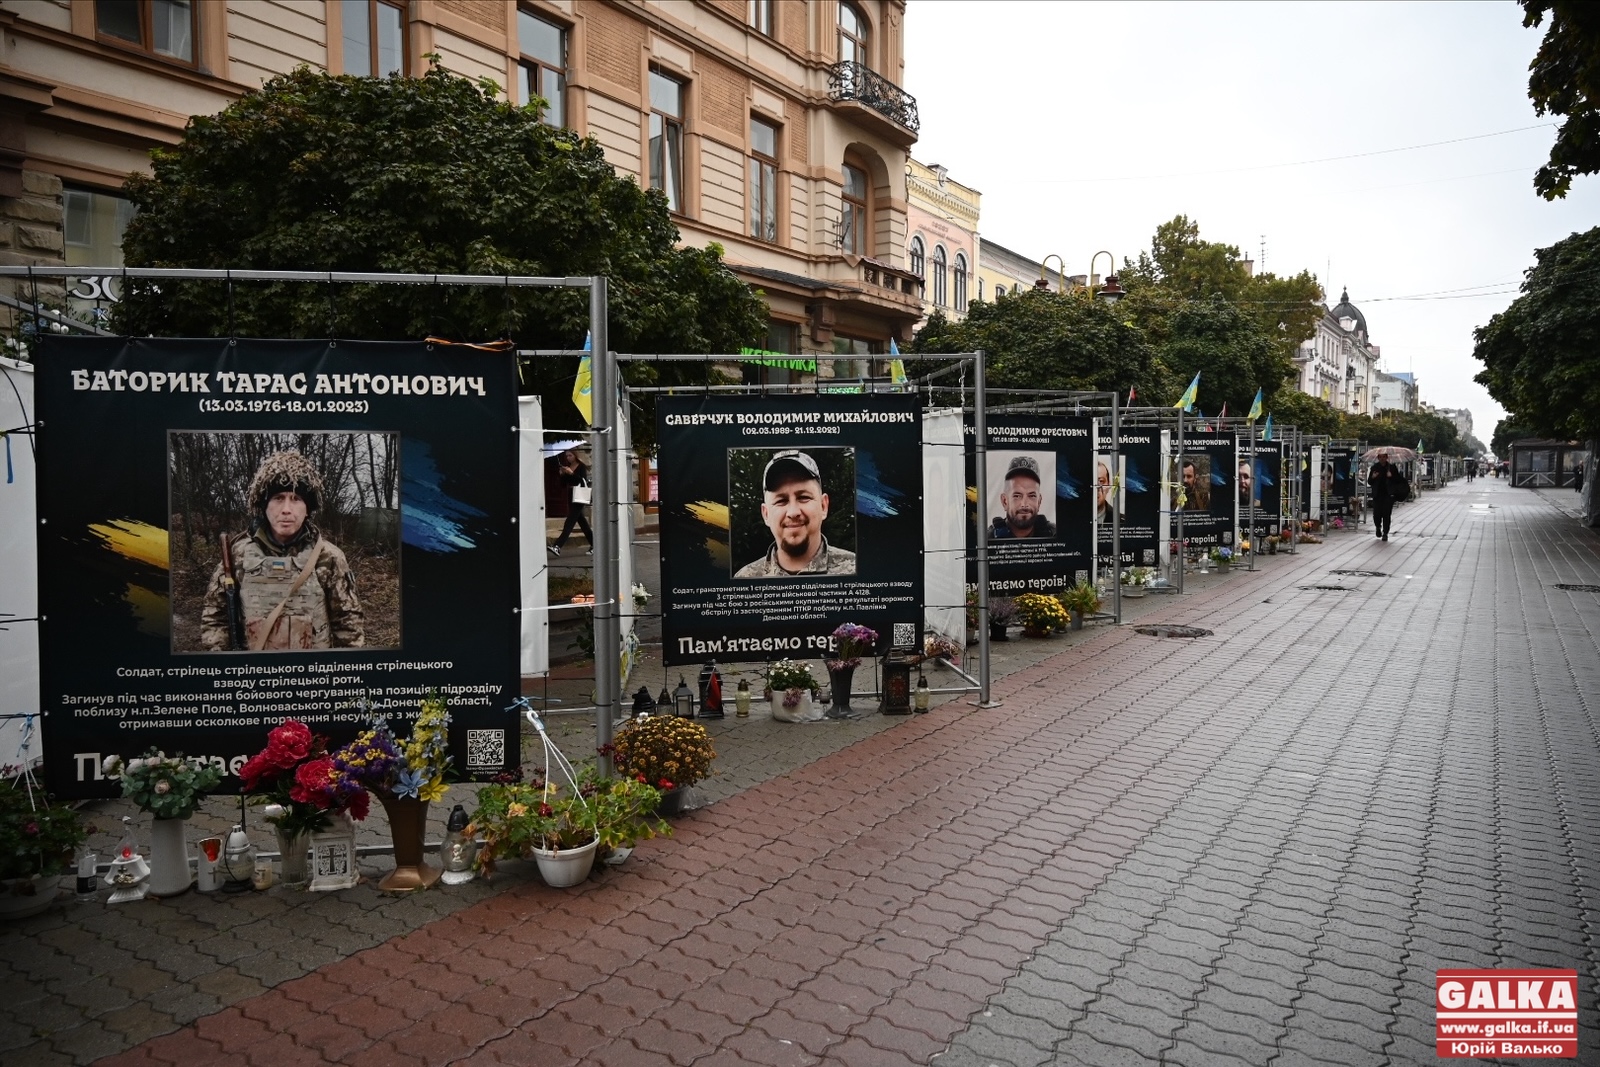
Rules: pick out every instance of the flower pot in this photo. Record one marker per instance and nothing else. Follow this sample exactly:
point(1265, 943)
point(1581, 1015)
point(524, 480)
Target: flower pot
point(292, 858)
point(562, 868)
point(1134, 591)
point(408, 818)
point(1036, 631)
point(839, 688)
point(804, 708)
point(24, 897)
point(671, 802)
point(333, 856)
point(169, 858)
point(997, 632)
point(1077, 618)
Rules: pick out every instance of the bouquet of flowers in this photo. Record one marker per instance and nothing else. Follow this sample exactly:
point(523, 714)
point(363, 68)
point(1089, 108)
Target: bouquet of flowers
point(1222, 554)
point(296, 775)
point(662, 751)
point(1337, 523)
point(414, 767)
point(1139, 576)
point(938, 646)
point(36, 836)
point(1002, 611)
point(786, 675)
point(641, 596)
point(851, 641)
point(168, 787)
point(1041, 612)
point(515, 818)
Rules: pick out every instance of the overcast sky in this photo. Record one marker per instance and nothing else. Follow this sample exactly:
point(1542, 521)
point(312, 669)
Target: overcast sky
point(1086, 125)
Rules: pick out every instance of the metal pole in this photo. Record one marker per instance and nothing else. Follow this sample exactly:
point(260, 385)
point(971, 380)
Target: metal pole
point(607, 637)
point(1183, 547)
point(1250, 497)
point(980, 431)
point(1116, 497)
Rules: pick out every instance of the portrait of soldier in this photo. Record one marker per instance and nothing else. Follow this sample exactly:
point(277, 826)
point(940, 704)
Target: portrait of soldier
point(1105, 499)
point(793, 509)
point(1021, 503)
point(1194, 489)
point(1247, 486)
point(281, 586)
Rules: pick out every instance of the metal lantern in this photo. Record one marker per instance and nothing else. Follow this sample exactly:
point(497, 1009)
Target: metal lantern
point(896, 684)
point(741, 700)
point(238, 861)
point(643, 704)
point(458, 849)
point(683, 700)
point(664, 701)
point(711, 692)
point(922, 695)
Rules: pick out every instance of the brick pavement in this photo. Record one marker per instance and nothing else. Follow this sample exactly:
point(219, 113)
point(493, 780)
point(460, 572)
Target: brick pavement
point(1253, 848)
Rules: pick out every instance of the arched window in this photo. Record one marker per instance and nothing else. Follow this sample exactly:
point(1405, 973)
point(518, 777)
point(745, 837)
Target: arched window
point(961, 281)
point(854, 218)
point(853, 36)
point(917, 257)
point(939, 295)
point(999, 291)
point(980, 289)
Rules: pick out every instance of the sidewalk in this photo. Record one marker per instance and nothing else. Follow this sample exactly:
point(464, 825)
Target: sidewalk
point(1252, 847)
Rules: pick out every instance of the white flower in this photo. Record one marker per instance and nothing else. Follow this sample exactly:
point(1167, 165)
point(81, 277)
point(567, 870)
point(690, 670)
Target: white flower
point(110, 765)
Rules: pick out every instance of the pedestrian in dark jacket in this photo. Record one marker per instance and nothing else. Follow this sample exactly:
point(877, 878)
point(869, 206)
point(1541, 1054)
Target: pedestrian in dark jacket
point(575, 474)
point(1389, 487)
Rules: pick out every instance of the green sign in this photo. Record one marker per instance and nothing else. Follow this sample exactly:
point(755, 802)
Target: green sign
point(778, 359)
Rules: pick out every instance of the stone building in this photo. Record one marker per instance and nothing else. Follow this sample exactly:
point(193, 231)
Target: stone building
point(943, 247)
point(776, 128)
point(1339, 362)
point(1002, 272)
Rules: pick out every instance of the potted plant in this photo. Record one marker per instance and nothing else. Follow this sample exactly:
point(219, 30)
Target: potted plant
point(938, 646)
point(37, 839)
point(793, 692)
point(407, 775)
point(304, 792)
point(1222, 557)
point(1002, 613)
point(169, 788)
point(1272, 544)
point(562, 828)
point(1136, 581)
point(665, 752)
point(1081, 601)
point(1041, 614)
point(851, 641)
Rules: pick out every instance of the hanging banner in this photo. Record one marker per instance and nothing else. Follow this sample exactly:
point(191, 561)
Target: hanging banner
point(1260, 481)
point(1038, 522)
point(1342, 486)
point(233, 533)
point(1204, 495)
point(785, 517)
point(1138, 498)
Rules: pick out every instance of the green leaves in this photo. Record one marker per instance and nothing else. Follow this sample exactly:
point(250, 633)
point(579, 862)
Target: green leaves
point(1564, 79)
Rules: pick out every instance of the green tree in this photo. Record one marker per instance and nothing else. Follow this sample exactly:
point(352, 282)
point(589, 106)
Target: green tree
point(434, 175)
point(1564, 79)
point(1045, 340)
point(1505, 431)
point(1540, 356)
point(1309, 414)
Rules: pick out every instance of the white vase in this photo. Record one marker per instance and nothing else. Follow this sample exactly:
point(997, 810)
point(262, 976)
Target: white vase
point(563, 868)
point(169, 857)
point(23, 897)
point(805, 710)
point(1132, 591)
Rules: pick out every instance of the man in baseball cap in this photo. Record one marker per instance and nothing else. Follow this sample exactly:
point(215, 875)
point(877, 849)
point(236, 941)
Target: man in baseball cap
point(793, 506)
point(1021, 498)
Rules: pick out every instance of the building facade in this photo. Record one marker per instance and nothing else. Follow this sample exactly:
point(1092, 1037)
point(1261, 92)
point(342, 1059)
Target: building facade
point(1002, 272)
point(943, 247)
point(1339, 363)
point(775, 128)
point(1394, 392)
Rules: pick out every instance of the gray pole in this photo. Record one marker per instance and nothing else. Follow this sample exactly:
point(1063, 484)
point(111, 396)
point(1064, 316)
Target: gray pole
point(1250, 497)
point(980, 431)
point(607, 639)
point(1183, 549)
point(1116, 512)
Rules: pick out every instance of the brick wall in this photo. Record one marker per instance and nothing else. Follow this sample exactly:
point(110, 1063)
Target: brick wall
point(723, 94)
point(792, 26)
point(30, 232)
point(489, 13)
point(615, 42)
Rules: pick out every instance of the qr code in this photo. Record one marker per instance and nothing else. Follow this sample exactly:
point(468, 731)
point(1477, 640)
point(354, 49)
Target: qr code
point(1081, 576)
point(486, 748)
point(905, 635)
point(1147, 556)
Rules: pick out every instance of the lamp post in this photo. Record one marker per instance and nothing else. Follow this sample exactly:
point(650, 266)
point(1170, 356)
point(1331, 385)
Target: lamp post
point(1061, 273)
point(1110, 292)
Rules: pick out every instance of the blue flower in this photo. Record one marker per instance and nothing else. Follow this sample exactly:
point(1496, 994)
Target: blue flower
point(409, 784)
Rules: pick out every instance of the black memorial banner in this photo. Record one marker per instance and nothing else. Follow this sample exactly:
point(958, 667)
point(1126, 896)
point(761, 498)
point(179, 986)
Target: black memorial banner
point(1139, 499)
point(1039, 518)
point(1204, 489)
point(389, 569)
point(1261, 481)
point(1342, 488)
point(785, 517)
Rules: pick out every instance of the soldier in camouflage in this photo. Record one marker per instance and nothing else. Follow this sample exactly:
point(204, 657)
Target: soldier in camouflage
point(296, 588)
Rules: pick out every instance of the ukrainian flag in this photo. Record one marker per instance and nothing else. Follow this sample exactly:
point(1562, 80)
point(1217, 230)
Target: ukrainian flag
point(897, 366)
point(1186, 402)
point(1255, 407)
point(583, 388)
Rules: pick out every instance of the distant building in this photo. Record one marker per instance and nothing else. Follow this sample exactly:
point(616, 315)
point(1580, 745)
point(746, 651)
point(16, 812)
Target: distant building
point(1395, 391)
point(943, 247)
point(1339, 363)
point(1461, 417)
point(1002, 272)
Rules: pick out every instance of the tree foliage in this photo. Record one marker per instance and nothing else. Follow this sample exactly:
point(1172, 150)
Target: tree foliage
point(1564, 79)
point(1541, 355)
point(431, 175)
point(1507, 430)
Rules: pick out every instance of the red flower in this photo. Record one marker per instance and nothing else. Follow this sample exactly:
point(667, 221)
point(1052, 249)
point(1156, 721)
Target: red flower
point(31, 829)
point(665, 784)
point(292, 739)
point(358, 805)
point(545, 811)
point(313, 783)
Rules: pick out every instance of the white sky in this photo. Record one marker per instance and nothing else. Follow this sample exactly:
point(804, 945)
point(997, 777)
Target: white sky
point(1086, 125)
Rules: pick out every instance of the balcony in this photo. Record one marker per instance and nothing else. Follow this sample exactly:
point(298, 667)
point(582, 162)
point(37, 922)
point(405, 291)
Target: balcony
point(852, 83)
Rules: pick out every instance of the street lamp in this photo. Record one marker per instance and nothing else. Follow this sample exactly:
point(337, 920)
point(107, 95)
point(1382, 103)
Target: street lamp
point(1110, 292)
point(1061, 273)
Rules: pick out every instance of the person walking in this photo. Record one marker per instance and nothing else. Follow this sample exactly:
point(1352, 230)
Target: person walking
point(575, 474)
point(1388, 486)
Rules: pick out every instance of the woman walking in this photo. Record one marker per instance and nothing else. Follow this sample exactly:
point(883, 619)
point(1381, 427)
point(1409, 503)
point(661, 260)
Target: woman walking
point(575, 474)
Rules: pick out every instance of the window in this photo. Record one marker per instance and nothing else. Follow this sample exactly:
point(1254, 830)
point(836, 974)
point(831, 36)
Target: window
point(761, 16)
point(980, 290)
point(161, 27)
point(999, 291)
point(939, 294)
point(93, 223)
point(374, 38)
point(917, 257)
point(763, 180)
point(543, 70)
point(853, 219)
point(960, 279)
point(852, 35)
point(666, 138)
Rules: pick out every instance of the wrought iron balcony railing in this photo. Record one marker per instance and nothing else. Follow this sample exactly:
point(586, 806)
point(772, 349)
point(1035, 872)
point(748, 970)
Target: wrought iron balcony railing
point(850, 80)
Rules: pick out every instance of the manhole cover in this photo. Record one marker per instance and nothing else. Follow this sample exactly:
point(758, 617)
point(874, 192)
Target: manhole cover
point(1578, 588)
point(1329, 588)
point(1361, 574)
point(1172, 631)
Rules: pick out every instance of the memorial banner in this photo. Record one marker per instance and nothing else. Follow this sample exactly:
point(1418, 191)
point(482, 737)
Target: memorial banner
point(1342, 487)
point(1039, 518)
point(1261, 482)
point(233, 533)
point(1204, 495)
point(1139, 498)
point(783, 517)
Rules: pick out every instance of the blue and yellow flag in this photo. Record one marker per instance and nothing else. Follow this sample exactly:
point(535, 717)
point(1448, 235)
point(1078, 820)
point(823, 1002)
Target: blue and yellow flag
point(1186, 401)
point(1266, 432)
point(897, 366)
point(1255, 407)
point(1419, 446)
point(583, 388)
